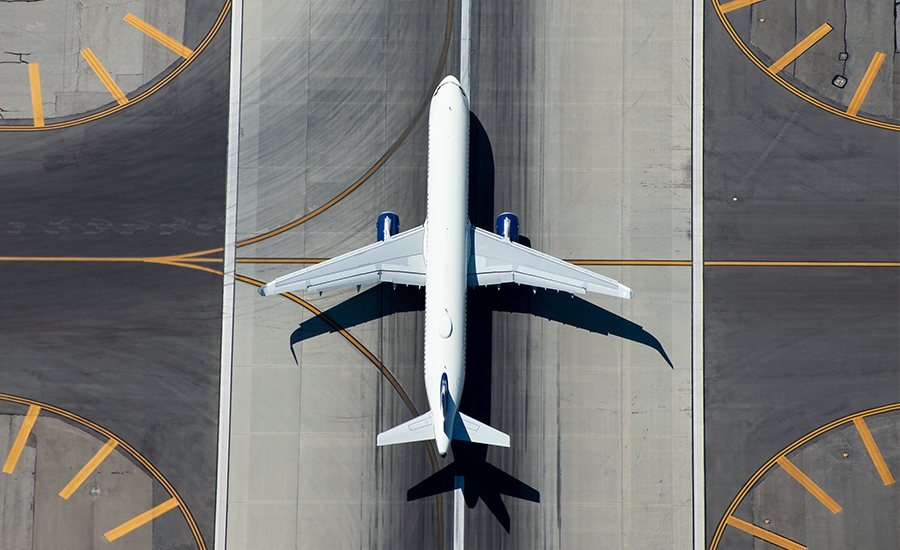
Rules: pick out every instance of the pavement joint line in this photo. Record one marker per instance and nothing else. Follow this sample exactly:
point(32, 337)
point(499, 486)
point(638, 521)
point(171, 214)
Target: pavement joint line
point(874, 453)
point(159, 36)
point(141, 520)
point(865, 84)
point(800, 48)
point(83, 474)
point(21, 439)
point(808, 484)
point(764, 534)
point(104, 76)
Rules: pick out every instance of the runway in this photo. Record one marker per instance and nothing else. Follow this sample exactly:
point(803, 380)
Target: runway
point(571, 398)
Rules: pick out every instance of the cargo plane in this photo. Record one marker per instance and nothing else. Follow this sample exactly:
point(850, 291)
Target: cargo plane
point(446, 255)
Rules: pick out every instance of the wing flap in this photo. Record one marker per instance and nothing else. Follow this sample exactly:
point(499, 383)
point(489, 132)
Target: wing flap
point(495, 260)
point(399, 260)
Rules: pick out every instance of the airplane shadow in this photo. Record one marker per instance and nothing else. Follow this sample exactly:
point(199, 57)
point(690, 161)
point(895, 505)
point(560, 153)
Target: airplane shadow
point(470, 470)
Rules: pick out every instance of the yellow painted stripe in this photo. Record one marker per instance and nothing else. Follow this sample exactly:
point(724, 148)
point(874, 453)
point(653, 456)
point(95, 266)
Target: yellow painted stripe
point(140, 520)
point(159, 36)
point(761, 533)
point(159, 259)
point(804, 264)
point(632, 262)
point(37, 105)
point(736, 5)
point(21, 439)
point(808, 484)
point(79, 478)
point(798, 50)
point(867, 438)
point(866, 83)
point(104, 76)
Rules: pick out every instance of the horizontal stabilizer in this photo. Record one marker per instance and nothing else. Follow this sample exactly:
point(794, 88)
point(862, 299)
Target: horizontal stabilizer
point(419, 428)
point(467, 428)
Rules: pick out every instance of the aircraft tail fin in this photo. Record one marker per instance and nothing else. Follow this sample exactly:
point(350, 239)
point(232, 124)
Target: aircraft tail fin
point(469, 429)
point(419, 428)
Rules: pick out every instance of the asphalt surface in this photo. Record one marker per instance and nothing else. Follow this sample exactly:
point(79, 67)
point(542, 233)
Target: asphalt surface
point(133, 347)
point(789, 349)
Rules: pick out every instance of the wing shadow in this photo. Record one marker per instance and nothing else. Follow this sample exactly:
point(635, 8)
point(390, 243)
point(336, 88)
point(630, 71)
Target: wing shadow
point(470, 471)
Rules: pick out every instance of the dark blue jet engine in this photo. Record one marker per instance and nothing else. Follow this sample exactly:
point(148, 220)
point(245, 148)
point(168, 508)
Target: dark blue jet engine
point(508, 226)
point(388, 225)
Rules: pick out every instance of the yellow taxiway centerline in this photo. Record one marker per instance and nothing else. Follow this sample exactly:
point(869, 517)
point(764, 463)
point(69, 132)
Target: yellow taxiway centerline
point(82, 475)
point(763, 534)
point(800, 48)
point(140, 520)
point(104, 76)
point(159, 36)
point(802, 264)
point(19, 444)
point(874, 453)
point(736, 5)
point(37, 105)
point(808, 484)
point(865, 84)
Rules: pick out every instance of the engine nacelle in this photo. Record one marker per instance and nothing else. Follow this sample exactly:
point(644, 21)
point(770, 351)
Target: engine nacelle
point(508, 226)
point(388, 225)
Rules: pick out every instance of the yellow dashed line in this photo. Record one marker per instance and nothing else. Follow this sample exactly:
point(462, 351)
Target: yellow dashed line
point(865, 84)
point(140, 520)
point(104, 76)
point(808, 484)
point(874, 453)
point(800, 48)
point(37, 105)
point(737, 4)
point(763, 534)
point(159, 36)
point(82, 475)
point(22, 438)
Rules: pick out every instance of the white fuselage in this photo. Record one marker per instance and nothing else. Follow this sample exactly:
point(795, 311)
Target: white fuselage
point(446, 256)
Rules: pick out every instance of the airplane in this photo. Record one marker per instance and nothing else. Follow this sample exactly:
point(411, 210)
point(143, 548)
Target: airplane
point(446, 255)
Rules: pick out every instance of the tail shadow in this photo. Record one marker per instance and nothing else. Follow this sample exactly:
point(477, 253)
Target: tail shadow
point(470, 471)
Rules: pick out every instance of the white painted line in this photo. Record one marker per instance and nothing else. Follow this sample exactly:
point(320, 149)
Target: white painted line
point(697, 410)
point(234, 133)
point(459, 515)
point(465, 47)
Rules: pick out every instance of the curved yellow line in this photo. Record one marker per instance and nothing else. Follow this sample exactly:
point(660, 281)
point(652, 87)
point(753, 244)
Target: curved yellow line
point(790, 87)
point(793, 446)
point(384, 372)
point(383, 159)
point(128, 448)
point(144, 95)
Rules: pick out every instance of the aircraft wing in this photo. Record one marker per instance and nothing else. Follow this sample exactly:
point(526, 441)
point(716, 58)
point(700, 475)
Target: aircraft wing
point(494, 260)
point(399, 260)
